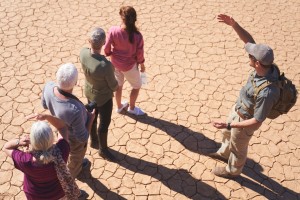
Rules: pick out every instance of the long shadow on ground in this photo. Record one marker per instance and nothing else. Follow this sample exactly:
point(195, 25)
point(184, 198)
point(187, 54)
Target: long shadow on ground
point(177, 180)
point(199, 143)
point(263, 184)
point(191, 140)
point(99, 189)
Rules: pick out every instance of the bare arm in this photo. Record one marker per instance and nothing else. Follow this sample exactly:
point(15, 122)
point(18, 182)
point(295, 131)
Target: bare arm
point(249, 123)
point(242, 33)
point(9, 146)
point(54, 121)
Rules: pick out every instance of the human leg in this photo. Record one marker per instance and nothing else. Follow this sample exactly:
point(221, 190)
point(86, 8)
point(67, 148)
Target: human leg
point(105, 112)
point(94, 133)
point(118, 94)
point(238, 147)
point(134, 78)
point(133, 97)
point(234, 148)
point(238, 150)
point(223, 152)
point(77, 152)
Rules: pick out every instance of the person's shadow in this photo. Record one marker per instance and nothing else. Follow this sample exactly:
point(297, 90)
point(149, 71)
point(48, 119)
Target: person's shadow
point(191, 140)
point(199, 143)
point(178, 180)
point(264, 185)
point(99, 189)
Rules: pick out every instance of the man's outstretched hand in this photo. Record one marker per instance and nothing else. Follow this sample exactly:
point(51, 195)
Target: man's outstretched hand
point(226, 19)
point(219, 125)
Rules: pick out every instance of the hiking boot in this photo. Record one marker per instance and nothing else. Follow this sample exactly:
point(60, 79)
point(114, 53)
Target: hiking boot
point(221, 172)
point(217, 157)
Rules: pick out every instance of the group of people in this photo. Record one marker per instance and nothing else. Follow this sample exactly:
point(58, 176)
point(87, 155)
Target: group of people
point(46, 174)
point(50, 169)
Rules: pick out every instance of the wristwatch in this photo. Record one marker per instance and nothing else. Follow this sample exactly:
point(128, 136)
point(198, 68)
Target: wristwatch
point(228, 126)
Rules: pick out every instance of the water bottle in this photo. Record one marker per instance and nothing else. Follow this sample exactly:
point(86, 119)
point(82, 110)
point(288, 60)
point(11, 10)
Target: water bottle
point(144, 78)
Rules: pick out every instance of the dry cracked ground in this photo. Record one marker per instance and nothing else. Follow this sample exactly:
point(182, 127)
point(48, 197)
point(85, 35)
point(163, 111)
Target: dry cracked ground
point(195, 66)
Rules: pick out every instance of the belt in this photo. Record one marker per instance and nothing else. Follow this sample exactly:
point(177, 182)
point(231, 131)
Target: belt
point(241, 115)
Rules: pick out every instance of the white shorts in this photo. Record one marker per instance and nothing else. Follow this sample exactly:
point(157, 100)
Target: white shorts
point(132, 76)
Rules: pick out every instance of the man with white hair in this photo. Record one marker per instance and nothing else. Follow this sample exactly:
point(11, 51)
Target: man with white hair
point(58, 98)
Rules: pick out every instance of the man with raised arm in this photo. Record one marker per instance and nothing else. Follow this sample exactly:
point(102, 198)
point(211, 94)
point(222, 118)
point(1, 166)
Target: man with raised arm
point(249, 111)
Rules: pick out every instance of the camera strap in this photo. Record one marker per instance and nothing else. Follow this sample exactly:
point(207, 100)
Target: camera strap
point(67, 94)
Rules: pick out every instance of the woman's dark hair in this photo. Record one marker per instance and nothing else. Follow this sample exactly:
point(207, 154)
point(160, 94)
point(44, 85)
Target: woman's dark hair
point(128, 16)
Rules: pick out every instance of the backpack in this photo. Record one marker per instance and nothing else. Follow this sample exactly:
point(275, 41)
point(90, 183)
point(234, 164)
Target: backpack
point(287, 98)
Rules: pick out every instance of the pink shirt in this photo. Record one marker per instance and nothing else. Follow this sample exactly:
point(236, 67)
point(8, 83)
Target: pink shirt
point(124, 55)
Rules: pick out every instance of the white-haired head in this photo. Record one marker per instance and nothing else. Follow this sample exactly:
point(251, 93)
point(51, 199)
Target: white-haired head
point(41, 136)
point(41, 139)
point(66, 76)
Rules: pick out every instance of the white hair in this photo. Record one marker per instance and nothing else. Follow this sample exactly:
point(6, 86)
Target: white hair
point(41, 139)
point(66, 76)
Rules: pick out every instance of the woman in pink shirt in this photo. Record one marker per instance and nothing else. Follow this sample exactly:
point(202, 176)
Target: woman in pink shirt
point(125, 46)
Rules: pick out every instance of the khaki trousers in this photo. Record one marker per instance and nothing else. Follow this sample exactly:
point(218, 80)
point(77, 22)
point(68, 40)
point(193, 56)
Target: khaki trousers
point(235, 144)
point(77, 153)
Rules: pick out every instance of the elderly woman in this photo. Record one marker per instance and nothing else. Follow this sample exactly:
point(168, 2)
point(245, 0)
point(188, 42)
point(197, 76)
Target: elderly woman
point(44, 166)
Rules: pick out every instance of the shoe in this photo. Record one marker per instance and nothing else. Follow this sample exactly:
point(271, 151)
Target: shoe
point(221, 172)
point(85, 163)
point(217, 156)
point(83, 195)
point(136, 111)
point(124, 105)
point(107, 155)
